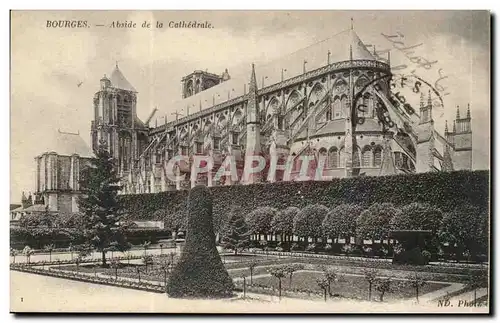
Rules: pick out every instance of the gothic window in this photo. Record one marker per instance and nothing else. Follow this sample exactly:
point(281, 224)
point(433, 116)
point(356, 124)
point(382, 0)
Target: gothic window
point(344, 107)
point(328, 115)
point(235, 138)
point(322, 152)
point(333, 158)
point(366, 157)
point(337, 109)
point(377, 157)
point(342, 158)
point(216, 143)
point(158, 156)
point(340, 86)
point(366, 106)
point(398, 161)
point(199, 147)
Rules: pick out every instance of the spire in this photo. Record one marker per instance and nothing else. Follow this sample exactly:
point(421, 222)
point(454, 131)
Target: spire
point(458, 112)
point(446, 127)
point(389, 58)
point(454, 126)
point(422, 105)
point(429, 99)
point(468, 111)
point(253, 81)
point(116, 64)
point(350, 52)
point(352, 23)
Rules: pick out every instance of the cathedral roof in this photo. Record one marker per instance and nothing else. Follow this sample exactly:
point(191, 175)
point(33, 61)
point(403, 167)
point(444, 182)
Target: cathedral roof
point(119, 81)
point(340, 47)
point(65, 144)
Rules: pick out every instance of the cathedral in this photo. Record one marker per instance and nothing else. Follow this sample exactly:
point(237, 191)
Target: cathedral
point(331, 101)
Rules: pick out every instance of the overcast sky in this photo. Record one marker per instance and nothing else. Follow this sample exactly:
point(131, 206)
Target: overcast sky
point(47, 64)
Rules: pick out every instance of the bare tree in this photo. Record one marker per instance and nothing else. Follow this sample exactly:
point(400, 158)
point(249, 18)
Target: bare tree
point(416, 282)
point(370, 277)
point(279, 273)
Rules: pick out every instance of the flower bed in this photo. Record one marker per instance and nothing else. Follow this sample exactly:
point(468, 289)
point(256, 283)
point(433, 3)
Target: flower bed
point(144, 286)
point(71, 261)
point(352, 287)
point(453, 269)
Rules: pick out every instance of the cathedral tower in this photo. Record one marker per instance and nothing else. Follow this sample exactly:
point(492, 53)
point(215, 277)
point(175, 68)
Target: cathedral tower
point(462, 139)
point(115, 119)
point(425, 136)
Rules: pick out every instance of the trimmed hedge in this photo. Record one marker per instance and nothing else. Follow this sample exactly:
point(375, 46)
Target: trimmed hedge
point(62, 237)
point(447, 190)
point(200, 272)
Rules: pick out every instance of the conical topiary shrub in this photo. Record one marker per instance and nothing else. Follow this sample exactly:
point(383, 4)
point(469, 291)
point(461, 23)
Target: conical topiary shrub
point(200, 272)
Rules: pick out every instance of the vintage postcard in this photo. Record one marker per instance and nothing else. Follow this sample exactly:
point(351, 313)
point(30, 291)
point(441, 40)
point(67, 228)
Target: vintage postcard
point(250, 161)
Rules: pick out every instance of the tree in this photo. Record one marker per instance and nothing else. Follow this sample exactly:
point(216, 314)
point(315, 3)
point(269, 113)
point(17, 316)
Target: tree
point(200, 273)
point(251, 266)
point(309, 220)
point(477, 279)
point(330, 276)
point(28, 252)
point(147, 260)
point(418, 216)
point(370, 277)
point(383, 285)
point(71, 248)
point(416, 281)
point(290, 269)
point(145, 245)
point(375, 222)
point(13, 254)
point(102, 214)
point(49, 248)
point(83, 251)
point(235, 235)
point(115, 264)
point(282, 222)
point(259, 220)
point(467, 227)
point(341, 221)
point(324, 285)
point(279, 273)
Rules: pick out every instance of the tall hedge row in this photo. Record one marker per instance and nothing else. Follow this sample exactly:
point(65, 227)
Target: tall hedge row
point(444, 189)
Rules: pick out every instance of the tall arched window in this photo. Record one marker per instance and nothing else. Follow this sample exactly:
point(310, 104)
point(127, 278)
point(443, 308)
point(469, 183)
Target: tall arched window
point(377, 156)
point(366, 157)
point(337, 109)
point(344, 108)
point(333, 157)
point(341, 158)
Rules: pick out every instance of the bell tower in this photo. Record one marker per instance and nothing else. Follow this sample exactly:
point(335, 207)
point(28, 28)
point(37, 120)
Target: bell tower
point(115, 119)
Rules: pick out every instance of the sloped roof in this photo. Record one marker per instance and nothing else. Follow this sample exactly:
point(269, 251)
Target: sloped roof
point(119, 81)
point(316, 55)
point(35, 208)
point(65, 144)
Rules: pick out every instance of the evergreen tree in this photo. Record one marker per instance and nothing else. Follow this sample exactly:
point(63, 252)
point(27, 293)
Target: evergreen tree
point(101, 212)
point(235, 235)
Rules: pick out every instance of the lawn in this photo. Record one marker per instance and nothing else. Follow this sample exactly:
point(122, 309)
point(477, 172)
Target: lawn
point(349, 286)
